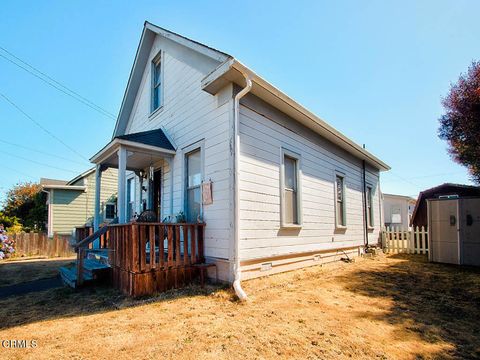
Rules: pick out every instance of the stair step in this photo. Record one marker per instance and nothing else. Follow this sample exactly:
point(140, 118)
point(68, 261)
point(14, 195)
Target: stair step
point(69, 276)
point(92, 265)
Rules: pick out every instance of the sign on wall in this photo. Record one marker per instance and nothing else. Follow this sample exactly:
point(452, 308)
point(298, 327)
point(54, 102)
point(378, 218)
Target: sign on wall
point(207, 197)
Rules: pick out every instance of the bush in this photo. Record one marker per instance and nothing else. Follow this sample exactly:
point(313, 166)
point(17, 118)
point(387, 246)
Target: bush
point(6, 245)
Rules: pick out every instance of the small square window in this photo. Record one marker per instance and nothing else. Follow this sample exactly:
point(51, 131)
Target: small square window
point(110, 210)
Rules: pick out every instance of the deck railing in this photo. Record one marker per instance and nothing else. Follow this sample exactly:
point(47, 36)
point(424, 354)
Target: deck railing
point(150, 257)
point(83, 232)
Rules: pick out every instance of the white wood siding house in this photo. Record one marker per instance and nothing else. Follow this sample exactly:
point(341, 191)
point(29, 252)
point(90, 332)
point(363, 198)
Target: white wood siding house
point(180, 126)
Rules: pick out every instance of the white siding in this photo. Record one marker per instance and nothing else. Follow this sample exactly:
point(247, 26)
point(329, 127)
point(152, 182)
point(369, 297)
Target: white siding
point(190, 115)
point(261, 142)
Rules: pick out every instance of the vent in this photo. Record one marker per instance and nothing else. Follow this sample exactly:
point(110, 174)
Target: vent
point(266, 267)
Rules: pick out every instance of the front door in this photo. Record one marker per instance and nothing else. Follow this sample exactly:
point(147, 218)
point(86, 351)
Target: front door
point(157, 193)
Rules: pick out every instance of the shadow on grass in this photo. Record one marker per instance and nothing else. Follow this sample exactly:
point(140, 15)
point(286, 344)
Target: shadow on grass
point(65, 302)
point(436, 302)
point(19, 270)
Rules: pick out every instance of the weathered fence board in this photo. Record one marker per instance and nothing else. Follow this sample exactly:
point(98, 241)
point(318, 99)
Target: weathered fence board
point(411, 241)
point(39, 244)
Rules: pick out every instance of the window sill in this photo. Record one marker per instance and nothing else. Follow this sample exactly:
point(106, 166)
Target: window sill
point(370, 228)
point(155, 112)
point(290, 226)
point(340, 227)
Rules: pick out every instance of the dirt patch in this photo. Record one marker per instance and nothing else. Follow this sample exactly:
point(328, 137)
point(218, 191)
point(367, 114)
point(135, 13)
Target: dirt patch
point(382, 308)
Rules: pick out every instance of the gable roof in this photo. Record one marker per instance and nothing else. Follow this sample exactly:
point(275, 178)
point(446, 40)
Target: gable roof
point(405, 197)
point(141, 57)
point(155, 137)
point(47, 181)
point(231, 70)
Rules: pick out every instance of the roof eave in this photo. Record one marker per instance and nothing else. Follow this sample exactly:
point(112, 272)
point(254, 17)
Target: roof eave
point(64, 187)
point(233, 71)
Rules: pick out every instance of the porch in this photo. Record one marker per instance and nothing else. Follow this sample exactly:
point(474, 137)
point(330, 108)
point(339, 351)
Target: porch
point(137, 256)
point(141, 258)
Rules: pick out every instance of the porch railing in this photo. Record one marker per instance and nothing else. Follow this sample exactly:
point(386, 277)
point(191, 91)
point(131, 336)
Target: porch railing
point(150, 257)
point(134, 245)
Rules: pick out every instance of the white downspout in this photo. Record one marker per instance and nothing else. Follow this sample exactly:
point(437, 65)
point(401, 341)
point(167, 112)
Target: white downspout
point(237, 286)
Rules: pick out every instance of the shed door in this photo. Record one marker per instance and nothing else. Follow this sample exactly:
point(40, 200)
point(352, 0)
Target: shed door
point(444, 231)
point(470, 231)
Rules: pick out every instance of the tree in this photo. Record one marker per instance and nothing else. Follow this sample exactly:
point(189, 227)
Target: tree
point(460, 125)
point(26, 202)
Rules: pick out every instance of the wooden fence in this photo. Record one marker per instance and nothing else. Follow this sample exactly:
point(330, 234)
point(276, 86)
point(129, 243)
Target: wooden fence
point(411, 241)
point(39, 244)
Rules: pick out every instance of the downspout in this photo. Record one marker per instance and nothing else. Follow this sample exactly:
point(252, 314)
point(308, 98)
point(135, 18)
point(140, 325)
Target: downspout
point(237, 286)
point(365, 217)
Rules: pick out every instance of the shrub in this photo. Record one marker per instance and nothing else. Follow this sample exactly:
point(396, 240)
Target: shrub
point(6, 244)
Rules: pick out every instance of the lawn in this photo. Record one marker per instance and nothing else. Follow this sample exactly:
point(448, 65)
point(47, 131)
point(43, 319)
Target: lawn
point(397, 307)
point(19, 270)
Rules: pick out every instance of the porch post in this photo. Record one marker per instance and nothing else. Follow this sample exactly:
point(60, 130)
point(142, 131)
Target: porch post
point(170, 165)
point(122, 169)
point(98, 186)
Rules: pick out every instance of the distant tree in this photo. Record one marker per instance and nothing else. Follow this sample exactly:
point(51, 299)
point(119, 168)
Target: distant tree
point(460, 125)
point(26, 202)
point(11, 223)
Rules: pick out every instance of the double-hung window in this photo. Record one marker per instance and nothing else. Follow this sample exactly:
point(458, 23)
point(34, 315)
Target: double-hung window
point(156, 83)
point(340, 208)
point(290, 194)
point(369, 199)
point(193, 164)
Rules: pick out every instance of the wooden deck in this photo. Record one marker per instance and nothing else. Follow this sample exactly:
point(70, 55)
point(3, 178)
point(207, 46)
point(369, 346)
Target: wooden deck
point(178, 248)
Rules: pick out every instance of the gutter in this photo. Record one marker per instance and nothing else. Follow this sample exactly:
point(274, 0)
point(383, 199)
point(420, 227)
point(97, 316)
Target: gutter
point(237, 286)
point(365, 215)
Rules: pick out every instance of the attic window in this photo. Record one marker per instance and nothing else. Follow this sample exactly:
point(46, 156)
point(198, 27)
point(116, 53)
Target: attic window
point(156, 83)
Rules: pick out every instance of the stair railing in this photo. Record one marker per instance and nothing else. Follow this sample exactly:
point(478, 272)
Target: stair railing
point(81, 247)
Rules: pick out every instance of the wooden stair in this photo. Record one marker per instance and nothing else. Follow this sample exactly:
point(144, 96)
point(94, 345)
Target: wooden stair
point(93, 270)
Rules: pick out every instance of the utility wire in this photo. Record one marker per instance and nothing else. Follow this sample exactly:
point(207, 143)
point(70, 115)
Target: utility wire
point(37, 162)
point(42, 152)
point(55, 84)
point(19, 172)
point(41, 127)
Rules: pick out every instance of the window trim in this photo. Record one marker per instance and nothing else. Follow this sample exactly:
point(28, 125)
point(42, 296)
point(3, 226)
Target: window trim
point(114, 211)
point(370, 213)
point(344, 201)
point(298, 158)
point(131, 177)
point(157, 59)
point(198, 145)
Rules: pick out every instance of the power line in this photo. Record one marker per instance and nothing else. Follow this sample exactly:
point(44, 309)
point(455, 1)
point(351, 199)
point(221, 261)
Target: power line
point(41, 127)
point(42, 152)
point(19, 172)
point(37, 162)
point(56, 84)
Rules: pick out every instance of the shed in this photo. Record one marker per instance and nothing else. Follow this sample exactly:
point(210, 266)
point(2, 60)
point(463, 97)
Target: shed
point(419, 217)
point(454, 230)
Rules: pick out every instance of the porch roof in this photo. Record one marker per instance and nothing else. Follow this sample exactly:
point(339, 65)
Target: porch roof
point(142, 148)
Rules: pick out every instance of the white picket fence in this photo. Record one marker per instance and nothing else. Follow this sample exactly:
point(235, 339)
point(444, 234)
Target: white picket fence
point(411, 241)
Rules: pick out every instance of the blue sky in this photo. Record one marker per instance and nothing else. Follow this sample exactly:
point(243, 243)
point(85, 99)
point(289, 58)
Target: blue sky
point(375, 70)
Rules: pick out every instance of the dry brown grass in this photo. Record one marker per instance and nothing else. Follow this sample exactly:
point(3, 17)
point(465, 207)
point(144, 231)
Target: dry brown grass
point(381, 308)
point(19, 270)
